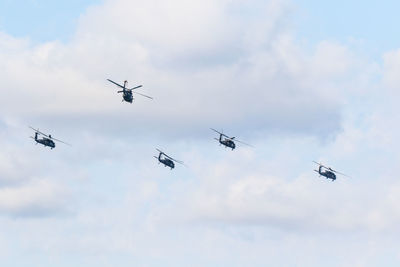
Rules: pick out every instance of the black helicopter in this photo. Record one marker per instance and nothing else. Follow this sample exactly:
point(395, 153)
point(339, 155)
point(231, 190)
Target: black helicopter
point(227, 141)
point(167, 160)
point(127, 92)
point(329, 173)
point(46, 140)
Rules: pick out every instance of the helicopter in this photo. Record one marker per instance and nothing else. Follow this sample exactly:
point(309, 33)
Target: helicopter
point(227, 141)
point(167, 160)
point(46, 140)
point(329, 173)
point(127, 93)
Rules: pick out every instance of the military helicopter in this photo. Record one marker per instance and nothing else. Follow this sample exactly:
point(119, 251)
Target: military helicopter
point(46, 140)
point(167, 160)
point(127, 93)
point(227, 141)
point(329, 173)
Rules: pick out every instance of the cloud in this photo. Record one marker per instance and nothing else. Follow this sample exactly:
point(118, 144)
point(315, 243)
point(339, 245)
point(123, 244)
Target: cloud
point(31, 183)
point(36, 199)
point(206, 64)
point(235, 65)
point(234, 196)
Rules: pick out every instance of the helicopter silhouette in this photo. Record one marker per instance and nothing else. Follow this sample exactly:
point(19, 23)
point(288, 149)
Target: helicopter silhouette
point(227, 141)
point(329, 173)
point(127, 92)
point(167, 160)
point(46, 140)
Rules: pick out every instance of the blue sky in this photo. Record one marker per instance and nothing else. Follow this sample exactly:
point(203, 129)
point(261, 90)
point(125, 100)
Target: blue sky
point(299, 80)
point(371, 25)
point(42, 20)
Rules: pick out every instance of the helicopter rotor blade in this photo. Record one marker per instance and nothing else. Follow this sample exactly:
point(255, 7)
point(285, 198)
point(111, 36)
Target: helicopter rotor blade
point(339, 173)
point(117, 84)
point(165, 155)
point(143, 95)
point(236, 140)
point(330, 169)
point(48, 136)
point(60, 141)
point(136, 87)
point(220, 133)
point(177, 161)
point(216, 131)
point(39, 132)
point(321, 164)
point(171, 158)
point(242, 142)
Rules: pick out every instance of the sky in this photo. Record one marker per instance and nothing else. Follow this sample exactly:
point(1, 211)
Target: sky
point(300, 80)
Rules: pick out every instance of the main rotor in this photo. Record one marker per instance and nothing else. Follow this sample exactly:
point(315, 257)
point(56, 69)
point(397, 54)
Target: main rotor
point(330, 169)
point(230, 138)
point(125, 89)
point(165, 155)
point(48, 136)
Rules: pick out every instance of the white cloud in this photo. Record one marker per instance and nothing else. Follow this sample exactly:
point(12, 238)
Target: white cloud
point(205, 63)
point(38, 198)
point(221, 64)
point(391, 68)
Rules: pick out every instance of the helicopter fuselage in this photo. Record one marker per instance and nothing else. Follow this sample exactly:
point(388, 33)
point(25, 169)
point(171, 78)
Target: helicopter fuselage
point(46, 142)
point(226, 142)
point(127, 93)
point(128, 96)
point(328, 174)
point(166, 162)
